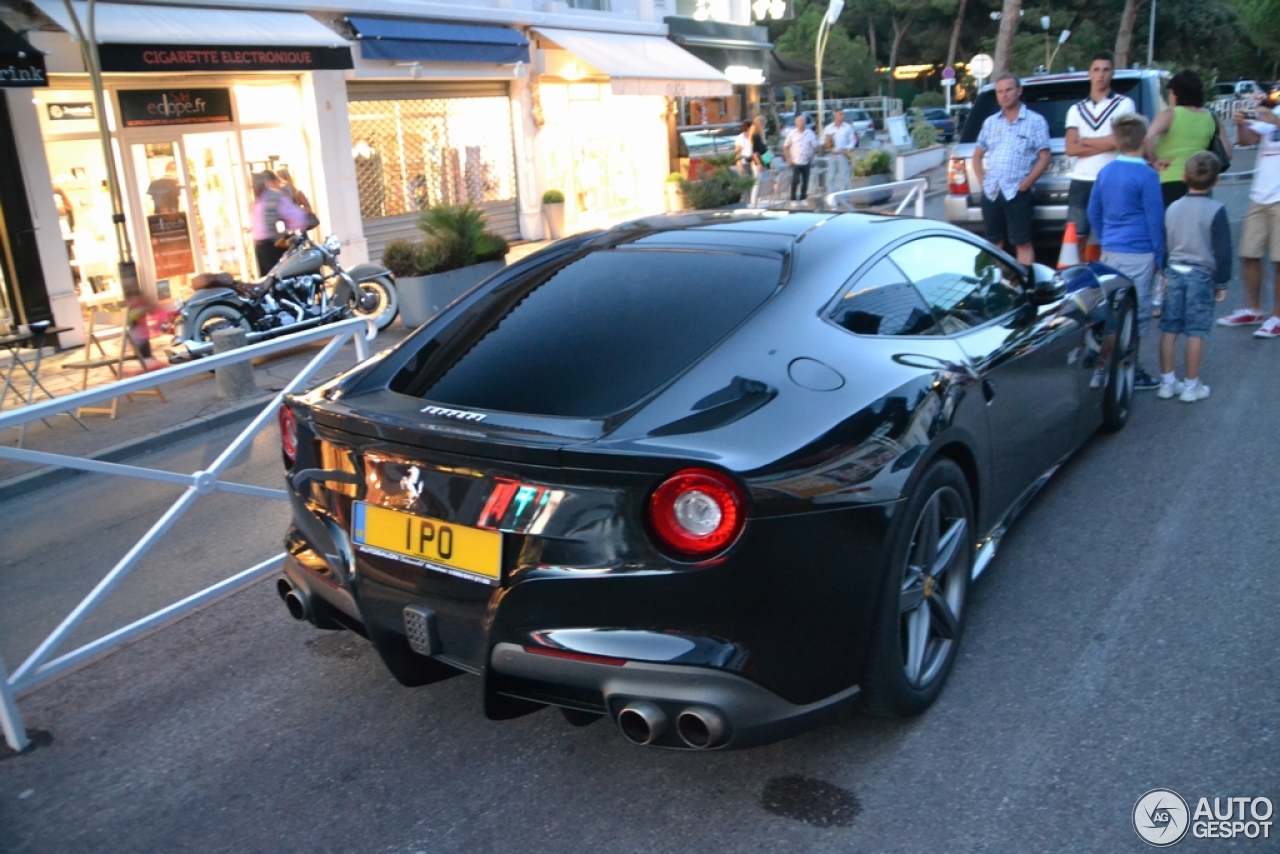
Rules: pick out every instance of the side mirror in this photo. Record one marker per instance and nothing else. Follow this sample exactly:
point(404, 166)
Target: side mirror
point(1047, 285)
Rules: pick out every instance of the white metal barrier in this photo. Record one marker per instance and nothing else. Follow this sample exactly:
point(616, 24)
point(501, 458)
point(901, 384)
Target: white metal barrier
point(40, 665)
point(915, 187)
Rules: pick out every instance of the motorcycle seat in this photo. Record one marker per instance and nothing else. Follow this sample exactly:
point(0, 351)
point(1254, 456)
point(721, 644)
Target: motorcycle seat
point(254, 290)
point(249, 290)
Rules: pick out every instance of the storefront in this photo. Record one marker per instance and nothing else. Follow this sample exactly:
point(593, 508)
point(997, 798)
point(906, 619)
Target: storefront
point(431, 121)
point(194, 112)
point(23, 297)
point(741, 52)
point(604, 104)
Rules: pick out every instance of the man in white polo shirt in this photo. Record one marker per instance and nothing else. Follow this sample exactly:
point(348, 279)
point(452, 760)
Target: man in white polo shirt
point(1089, 140)
point(839, 139)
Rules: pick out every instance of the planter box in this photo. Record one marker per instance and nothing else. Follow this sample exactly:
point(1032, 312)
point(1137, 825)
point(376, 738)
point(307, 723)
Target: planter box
point(423, 297)
point(911, 163)
point(856, 182)
point(553, 214)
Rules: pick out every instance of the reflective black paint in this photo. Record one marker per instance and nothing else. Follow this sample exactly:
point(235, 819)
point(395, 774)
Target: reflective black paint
point(825, 464)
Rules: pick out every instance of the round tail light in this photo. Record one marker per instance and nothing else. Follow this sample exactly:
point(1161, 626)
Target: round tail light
point(288, 433)
point(697, 513)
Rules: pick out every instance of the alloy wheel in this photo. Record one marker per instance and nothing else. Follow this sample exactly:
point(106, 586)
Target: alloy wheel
point(933, 587)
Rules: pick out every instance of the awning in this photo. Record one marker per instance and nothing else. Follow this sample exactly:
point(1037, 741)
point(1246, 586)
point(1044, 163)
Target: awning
point(642, 65)
point(735, 49)
point(170, 38)
point(785, 70)
point(21, 65)
point(403, 39)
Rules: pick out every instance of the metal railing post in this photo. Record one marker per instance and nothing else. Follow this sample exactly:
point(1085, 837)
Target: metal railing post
point(10, 718)
point(38, 666)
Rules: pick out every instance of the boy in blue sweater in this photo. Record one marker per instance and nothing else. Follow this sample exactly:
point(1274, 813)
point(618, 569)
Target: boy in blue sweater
point(1126, 213)
point(1198, 271)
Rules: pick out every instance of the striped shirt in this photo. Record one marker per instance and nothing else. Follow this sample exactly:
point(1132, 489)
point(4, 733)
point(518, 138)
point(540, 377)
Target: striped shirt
point(1010, 149)
point(1092, 119)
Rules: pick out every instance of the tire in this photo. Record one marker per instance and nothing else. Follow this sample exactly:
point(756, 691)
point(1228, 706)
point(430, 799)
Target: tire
point(923, 601)
point(214, 317)
point(387, 304)
point(1118, 399)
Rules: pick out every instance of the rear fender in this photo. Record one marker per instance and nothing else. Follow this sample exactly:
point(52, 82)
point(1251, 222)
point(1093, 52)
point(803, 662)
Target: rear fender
point(208, 296)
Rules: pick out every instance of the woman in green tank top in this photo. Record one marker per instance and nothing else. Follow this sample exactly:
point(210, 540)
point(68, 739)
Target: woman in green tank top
point(1183, 129)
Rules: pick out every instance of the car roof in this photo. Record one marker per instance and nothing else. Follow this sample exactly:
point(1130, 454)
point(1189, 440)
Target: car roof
point(1073, 76)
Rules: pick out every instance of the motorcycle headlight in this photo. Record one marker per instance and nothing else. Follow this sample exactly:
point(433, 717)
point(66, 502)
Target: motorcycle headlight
point(332, 244)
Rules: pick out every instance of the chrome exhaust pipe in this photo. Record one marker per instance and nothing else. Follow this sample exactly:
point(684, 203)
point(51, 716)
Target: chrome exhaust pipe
point(187, 349)
point(642, 723)
point(700, 727)
point(294, 600)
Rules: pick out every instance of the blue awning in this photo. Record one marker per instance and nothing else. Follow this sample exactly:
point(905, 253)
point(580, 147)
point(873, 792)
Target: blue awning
point(404, 39)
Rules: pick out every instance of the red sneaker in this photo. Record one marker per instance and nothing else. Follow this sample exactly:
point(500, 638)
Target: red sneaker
point(1242, 317)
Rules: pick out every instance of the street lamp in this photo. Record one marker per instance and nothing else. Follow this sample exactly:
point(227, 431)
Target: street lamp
point(824, 31)
point(1044, 25)
point(1062, 39)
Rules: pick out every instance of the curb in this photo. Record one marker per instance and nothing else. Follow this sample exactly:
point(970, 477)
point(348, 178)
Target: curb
point(50, 475)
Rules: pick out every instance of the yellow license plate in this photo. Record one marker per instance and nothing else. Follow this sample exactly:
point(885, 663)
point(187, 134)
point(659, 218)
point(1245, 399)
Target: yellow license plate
point(443, 546)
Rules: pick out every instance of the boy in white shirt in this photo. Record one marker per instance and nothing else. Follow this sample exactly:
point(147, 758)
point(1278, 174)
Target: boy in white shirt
point(1090, 143)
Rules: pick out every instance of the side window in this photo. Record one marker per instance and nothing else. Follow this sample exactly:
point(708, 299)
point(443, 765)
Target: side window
point(882, 302)
point(963, 284)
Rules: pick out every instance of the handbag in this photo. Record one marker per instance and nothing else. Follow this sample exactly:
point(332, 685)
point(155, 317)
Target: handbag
point(766, 158)
point(1219, 150)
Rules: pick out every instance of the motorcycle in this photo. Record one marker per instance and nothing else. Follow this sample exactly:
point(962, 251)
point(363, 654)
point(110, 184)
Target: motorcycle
point(306, 288)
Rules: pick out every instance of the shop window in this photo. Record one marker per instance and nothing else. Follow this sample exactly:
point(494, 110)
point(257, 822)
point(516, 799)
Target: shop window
point(413, 154)
point(84, 213)
point(268, 105)
point(593, 5)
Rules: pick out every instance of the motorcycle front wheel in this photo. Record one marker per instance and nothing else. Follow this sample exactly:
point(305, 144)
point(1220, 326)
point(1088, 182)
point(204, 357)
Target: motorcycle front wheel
point(377, 299)
point(214, 317)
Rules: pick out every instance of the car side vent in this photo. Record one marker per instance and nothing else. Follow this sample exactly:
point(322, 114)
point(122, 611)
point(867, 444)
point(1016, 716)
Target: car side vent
point(736, 400)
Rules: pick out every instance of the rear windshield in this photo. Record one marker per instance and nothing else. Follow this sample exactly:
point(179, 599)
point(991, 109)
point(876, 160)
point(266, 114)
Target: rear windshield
point(589, 338)
point(1051, 100)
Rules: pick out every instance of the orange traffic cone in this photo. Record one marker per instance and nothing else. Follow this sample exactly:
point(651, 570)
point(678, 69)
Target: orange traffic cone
point(1069, 256)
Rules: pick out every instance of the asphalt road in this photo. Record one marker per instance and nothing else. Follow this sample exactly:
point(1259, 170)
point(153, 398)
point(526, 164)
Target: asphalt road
point(1125, 638)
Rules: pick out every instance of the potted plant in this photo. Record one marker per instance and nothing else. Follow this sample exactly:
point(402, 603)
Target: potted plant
point(553, 212)
point(719, 187)
point(672, 189)
point(869, 170)
point(457, 253)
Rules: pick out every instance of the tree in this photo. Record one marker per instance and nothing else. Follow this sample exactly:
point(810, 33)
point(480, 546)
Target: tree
point(847, 59)
point(1004, 40)
point(1124, 35)
point(1261, 19)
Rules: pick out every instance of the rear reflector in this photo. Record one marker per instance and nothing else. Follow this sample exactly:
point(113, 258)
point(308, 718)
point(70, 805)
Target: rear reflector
point(288, 433)
point(575, 656)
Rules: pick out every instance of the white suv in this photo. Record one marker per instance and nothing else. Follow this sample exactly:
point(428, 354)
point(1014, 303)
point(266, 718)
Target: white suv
point(1050, 96)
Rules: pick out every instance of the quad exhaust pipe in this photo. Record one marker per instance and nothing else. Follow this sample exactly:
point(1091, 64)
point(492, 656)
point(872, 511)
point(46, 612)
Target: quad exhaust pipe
point(642, 723)
point(699, 727)
point(294, 600)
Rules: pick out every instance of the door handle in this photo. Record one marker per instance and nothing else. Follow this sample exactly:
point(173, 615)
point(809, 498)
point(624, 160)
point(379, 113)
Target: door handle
point(988, 390)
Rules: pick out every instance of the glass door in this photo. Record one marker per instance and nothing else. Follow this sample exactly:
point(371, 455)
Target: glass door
point(218, 196)
point(163, 183)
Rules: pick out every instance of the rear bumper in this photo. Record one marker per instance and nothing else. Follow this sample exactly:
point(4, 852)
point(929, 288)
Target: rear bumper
point(1048, 221)
point(770, 640)
point(752, 714)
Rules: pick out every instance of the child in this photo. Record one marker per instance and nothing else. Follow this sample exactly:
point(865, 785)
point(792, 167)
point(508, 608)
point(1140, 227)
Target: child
point(1126, 214)
point(1199, 268)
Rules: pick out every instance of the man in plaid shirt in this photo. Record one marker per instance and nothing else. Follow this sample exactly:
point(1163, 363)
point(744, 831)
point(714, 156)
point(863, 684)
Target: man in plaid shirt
point(1011, 155)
